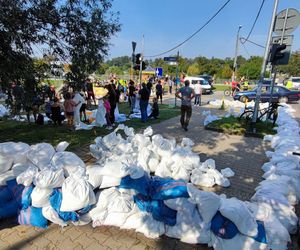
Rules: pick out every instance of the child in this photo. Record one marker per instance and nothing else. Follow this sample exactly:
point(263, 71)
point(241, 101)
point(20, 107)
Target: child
point(107, 114)
point(155, 110)
point(69, 106)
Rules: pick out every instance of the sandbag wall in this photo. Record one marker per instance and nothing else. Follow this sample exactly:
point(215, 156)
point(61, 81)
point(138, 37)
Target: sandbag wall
point(46, 184)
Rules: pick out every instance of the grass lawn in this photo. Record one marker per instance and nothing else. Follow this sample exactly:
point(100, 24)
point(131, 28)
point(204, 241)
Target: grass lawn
point(21, 131)
point(233, 125)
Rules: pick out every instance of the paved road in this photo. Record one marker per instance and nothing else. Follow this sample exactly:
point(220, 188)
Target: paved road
point(243, 154)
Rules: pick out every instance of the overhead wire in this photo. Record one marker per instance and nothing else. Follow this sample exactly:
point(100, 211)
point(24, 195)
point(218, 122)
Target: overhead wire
point(244, 39)
point(195, 33)
point(256, 18)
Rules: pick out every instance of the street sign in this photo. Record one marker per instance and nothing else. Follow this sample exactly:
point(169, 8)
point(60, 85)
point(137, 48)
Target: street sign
point(133, 47)
point(170, 59)
point(159, 72)
point(287, 40)
point(286, 21)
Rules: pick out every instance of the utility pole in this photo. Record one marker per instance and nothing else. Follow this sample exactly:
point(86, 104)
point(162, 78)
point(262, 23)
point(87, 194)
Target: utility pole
point(236, 53)
point(263, 67)
point(141, 61)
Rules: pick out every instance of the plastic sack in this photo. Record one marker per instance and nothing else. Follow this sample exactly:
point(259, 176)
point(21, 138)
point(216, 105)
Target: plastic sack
point(114, 168)
point(110, 181)
point(41, 154)
point(69, 161)
point(187, 142)
point(62, 146)
point(40, 197)
point(157, 208)
point(19, 168)
point(148, 131)
point(227, 172)
point(48, 178)
point(76, 194)
point(208, 203)
point(167, 188)
point(200, 178)
point(26, 177)
point(15, 150)
point(5, 163)
point(223, 227)
point(32, 216)
point(4, 177)
point(94, 175)
point(141, 185)
point(236, 211)
point(50, 214)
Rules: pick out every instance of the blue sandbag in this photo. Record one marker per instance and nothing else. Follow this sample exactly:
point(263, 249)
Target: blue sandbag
point(261, 235)
point(9, 209)
point(5, 195)
point(141, 185)
point(26, 197)
point(167, 188)
point(84, 210)
point(16, 190)
point(157, 208)
point(223, 227)
point(32, 216)
point(55, 201)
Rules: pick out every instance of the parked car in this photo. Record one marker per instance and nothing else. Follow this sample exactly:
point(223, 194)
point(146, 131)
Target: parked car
point(280, 94)
point(207, 78)
point(206, 88)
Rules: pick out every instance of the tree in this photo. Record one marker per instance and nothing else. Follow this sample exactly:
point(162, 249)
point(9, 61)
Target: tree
point(193, 69)
point(251, 68)
point(76, 31)
point(293, 67)
point(226, 72)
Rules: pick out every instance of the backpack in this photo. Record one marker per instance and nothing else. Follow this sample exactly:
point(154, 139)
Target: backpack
point(40, 119)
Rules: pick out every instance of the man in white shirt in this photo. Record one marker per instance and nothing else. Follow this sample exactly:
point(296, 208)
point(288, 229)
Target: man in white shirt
point(198, 92)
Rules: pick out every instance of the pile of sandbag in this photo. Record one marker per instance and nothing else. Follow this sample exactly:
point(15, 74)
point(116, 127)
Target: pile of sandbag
point(157, 155)
point(3, 111)
point(52, 182)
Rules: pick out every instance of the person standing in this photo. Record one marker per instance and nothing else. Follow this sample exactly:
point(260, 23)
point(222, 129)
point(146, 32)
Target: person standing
point(69, 107)
point(132, 92)
point(112, 98)
point(170, 83)
point(186, 96)
point(159, 91)
point(144, 100)
point(198, 92)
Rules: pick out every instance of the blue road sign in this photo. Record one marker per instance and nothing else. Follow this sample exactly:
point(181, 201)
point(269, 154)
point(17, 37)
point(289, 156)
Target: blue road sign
point(170, 59)
point(159, 72)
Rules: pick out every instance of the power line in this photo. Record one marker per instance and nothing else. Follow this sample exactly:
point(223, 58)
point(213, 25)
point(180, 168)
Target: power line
point(244, 40)
point(191, 36)
point(244, 46)
point(253, 25)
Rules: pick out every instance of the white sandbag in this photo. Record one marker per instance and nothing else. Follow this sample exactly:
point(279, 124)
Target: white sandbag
point(94, 175)
point(110, 181)
point(153, 163)
point(236, 211)
point(83, 220)
point(26, 177)
point(19, 168)
point(16, 150)
point(187, 142)
point(41, 154)
point(179, 204)
point(143, 158)
point(62, 146)
point(200, 178)
point(268, 137)
point(208, 164)
point(115, 169)
point(163, 169)
point(151, 228)
point(219, 178)
point(189, 227)
point(76, 194)
point(4, 177)
point(148, 131)
point(69, 161)
point(50, 214)
point(129, 131)
point(110, 140)
point(185, 157)
point(227, 172)
point(208, 203)
point(6, 163)
point(179, 172)
point(40, 197)
point(48, 178)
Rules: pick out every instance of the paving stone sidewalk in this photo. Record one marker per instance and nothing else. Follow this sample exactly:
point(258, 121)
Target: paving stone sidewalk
point(243, 155)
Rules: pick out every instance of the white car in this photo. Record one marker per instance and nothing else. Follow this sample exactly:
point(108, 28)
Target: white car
point(206, 88)
point(296, 82)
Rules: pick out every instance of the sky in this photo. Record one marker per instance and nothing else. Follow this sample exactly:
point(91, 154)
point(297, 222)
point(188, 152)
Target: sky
point(166, 23)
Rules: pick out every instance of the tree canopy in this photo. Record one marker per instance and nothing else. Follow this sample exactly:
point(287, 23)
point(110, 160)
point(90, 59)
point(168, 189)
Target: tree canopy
point(75, 31)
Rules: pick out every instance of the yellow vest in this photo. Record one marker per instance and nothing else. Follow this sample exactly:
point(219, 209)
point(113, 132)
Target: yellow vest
point(289, 84)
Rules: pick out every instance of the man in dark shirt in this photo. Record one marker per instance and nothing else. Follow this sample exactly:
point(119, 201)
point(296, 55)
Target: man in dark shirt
point(131, 94)
point(159, 91)
point(144, 100)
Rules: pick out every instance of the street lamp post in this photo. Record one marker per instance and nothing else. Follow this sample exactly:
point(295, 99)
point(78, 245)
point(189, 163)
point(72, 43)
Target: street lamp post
point(236, 53)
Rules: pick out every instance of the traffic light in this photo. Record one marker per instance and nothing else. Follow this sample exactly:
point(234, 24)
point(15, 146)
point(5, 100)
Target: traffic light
point(137, 66)
point(138, 58)
point(276, 52)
